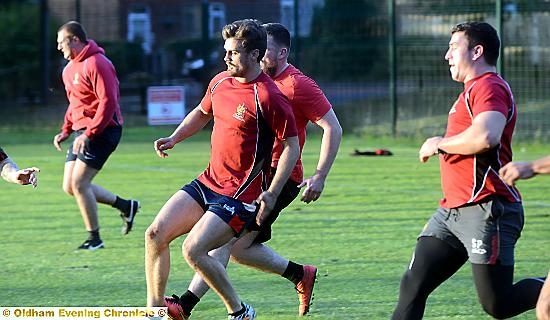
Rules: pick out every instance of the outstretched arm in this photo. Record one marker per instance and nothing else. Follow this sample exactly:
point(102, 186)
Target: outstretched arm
point(484, 133)
point(11, 173)
point(514, 171)
point(332, 135)
point(193, 122)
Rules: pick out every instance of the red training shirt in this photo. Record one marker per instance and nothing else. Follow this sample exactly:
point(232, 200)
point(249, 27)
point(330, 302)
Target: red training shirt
point(247, 119)
point(93, 93)
point(470, 178)
point(308, 102)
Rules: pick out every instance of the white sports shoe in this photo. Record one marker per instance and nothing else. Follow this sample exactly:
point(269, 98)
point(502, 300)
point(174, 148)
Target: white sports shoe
point(248, 314)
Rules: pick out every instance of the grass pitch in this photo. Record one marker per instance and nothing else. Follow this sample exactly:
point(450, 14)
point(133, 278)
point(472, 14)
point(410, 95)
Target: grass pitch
point(360, 234)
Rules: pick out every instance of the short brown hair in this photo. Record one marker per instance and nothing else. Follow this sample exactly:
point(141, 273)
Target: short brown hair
point(251, 32)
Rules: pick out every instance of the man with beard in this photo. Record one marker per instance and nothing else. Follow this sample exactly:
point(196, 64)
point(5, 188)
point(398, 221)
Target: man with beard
point(308, 104)
point(249, 113)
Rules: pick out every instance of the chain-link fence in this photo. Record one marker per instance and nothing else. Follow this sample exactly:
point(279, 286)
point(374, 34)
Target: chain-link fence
point(345, 45)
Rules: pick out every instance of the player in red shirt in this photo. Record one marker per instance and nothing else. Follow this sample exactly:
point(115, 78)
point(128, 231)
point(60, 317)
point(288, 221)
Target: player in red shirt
point(249, 113)
point(11, 172)
point(309, 104)
point(95, 118)
point(510, 173)
point(480, 217)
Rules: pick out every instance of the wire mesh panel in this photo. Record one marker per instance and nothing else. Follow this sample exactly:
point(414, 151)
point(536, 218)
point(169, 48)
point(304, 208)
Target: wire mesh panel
point(343, 45)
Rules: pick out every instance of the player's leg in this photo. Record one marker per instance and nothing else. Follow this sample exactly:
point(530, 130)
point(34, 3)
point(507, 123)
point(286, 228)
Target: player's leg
point(499, 296)
point(492, 230)
point(252, 253)
point(178, 216)
point(433, 262)
point(437, 256)
point(250, 249)
point(257, 255)
point(209, 233)
point(81, 185)
point(97, 152)
point(101, 194)
point(225, 219)
point(180, 307)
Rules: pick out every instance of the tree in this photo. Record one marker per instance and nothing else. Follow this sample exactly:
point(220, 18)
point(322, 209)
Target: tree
point(347, 40)
point(19, 48)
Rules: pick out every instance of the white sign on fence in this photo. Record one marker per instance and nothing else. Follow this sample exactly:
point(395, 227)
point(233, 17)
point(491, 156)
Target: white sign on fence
point(165, 105)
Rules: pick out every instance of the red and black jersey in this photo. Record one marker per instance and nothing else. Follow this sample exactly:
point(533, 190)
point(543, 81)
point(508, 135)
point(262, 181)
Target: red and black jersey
point(247, 119)
point(470, 178)
point(308, 102)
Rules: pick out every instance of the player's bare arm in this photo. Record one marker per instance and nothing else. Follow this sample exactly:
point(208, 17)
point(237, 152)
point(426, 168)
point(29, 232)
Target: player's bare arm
point(58, 139)
point(11, 173)
point(332, 135)
point(484, 133)
point(289, 156)
point(514, 171)
point(191, 124)
point(429, 148)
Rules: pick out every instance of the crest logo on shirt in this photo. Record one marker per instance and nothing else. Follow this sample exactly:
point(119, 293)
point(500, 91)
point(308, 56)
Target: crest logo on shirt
point(75, 79)
point(453, 108)
point(239, 114)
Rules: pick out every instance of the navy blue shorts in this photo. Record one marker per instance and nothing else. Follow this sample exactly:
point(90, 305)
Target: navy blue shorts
point(98, 149)
point(487, 230)
point(238, 215)
point(289, 192)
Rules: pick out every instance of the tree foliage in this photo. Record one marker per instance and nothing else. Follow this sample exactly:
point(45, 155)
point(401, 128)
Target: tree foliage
point(20, 48)
point(345, 41)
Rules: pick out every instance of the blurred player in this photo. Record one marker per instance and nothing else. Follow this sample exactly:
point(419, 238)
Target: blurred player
point(510, 173)
point(11, 172)
point(480, 218)
point(95, 118)
point(308, 104)
point(249, 112)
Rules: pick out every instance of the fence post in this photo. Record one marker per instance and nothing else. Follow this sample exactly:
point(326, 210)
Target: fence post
point(44, 51)
point(392, 66)
point(498, 19)
point(296, 44)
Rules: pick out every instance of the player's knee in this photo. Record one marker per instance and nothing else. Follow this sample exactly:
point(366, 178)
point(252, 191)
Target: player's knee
point(153, 237)
point(236, 258)
point(67, 189)
point(411, 286)
point(190, 252)
point(79, 186)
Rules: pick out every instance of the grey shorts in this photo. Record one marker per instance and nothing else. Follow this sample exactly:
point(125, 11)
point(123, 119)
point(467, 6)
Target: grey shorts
point(487, 230)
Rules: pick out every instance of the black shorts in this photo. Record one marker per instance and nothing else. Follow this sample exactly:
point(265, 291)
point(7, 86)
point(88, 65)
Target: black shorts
point(237, 214)
point(289, 192)
point(98, 149)
point(487, 230)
